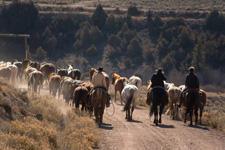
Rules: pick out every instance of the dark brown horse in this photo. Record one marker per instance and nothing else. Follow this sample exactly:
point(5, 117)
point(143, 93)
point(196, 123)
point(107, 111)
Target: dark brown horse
point(98, 101)
point(80, 97)
point(159, 98)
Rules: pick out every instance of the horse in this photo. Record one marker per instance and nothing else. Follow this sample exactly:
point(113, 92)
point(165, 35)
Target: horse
point(54, 83)
point(119, 84)
point(36, 79)
point(115, 77)
point(65, 88)
point(174, 94)
point(135, 81)
point(191, 102)
point(93, 70)
point(203, 96)
point(159, 98)
point(80, 97)
point(98, 101)
point(129, 95)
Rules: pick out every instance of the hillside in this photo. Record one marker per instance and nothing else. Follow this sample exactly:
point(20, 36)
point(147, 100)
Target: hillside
point(127, 41)
point(42, 122)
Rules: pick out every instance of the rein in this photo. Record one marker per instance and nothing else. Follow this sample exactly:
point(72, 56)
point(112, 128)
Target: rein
point(113, 110)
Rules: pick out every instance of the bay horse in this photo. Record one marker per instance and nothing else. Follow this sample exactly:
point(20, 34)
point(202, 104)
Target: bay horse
point(129, 95)
point(98, 101)
point(159, 98)
point(191, 102)
point(93, 70)
point(119, 84)
point(80, 97)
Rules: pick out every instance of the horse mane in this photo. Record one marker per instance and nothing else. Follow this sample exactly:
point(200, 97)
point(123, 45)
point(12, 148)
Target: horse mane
point(115, 77)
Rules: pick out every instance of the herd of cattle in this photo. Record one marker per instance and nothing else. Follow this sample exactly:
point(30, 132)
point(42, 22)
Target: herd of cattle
point(67, 82)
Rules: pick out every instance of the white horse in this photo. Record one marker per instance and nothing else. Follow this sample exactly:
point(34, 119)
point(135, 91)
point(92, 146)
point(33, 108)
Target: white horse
point(168, 85)
point(129, 96)
point(134, 80)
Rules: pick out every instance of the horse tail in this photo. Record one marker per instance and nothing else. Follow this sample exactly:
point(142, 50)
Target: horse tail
point(79, 96)
point(192, 101)
point(126, 107)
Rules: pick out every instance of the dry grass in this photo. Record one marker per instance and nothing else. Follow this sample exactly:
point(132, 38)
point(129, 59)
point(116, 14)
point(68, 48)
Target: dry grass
point(214, 114)
point(59, 127)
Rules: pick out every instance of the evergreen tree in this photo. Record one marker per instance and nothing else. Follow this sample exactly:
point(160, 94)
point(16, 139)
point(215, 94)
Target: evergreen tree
point(198, 56)
point(99, 17)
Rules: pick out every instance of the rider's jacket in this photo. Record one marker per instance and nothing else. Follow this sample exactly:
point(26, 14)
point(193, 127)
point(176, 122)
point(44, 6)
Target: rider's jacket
point(98, 80)
point(192, 81)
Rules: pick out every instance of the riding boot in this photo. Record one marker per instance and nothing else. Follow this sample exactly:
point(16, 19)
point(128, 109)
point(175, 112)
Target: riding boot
point(108, 100)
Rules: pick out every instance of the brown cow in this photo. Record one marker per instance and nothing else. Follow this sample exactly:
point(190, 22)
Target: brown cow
point(54, 83)
point(5, 72)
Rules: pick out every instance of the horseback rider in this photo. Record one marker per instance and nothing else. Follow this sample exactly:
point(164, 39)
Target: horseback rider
point(99, 81)
point(157, 80)
point(191, 81)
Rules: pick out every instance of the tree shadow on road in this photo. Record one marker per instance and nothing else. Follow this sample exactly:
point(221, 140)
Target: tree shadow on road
point(106, 126)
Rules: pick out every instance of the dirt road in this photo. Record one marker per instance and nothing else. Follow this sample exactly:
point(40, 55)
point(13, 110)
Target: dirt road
point(141, 134)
